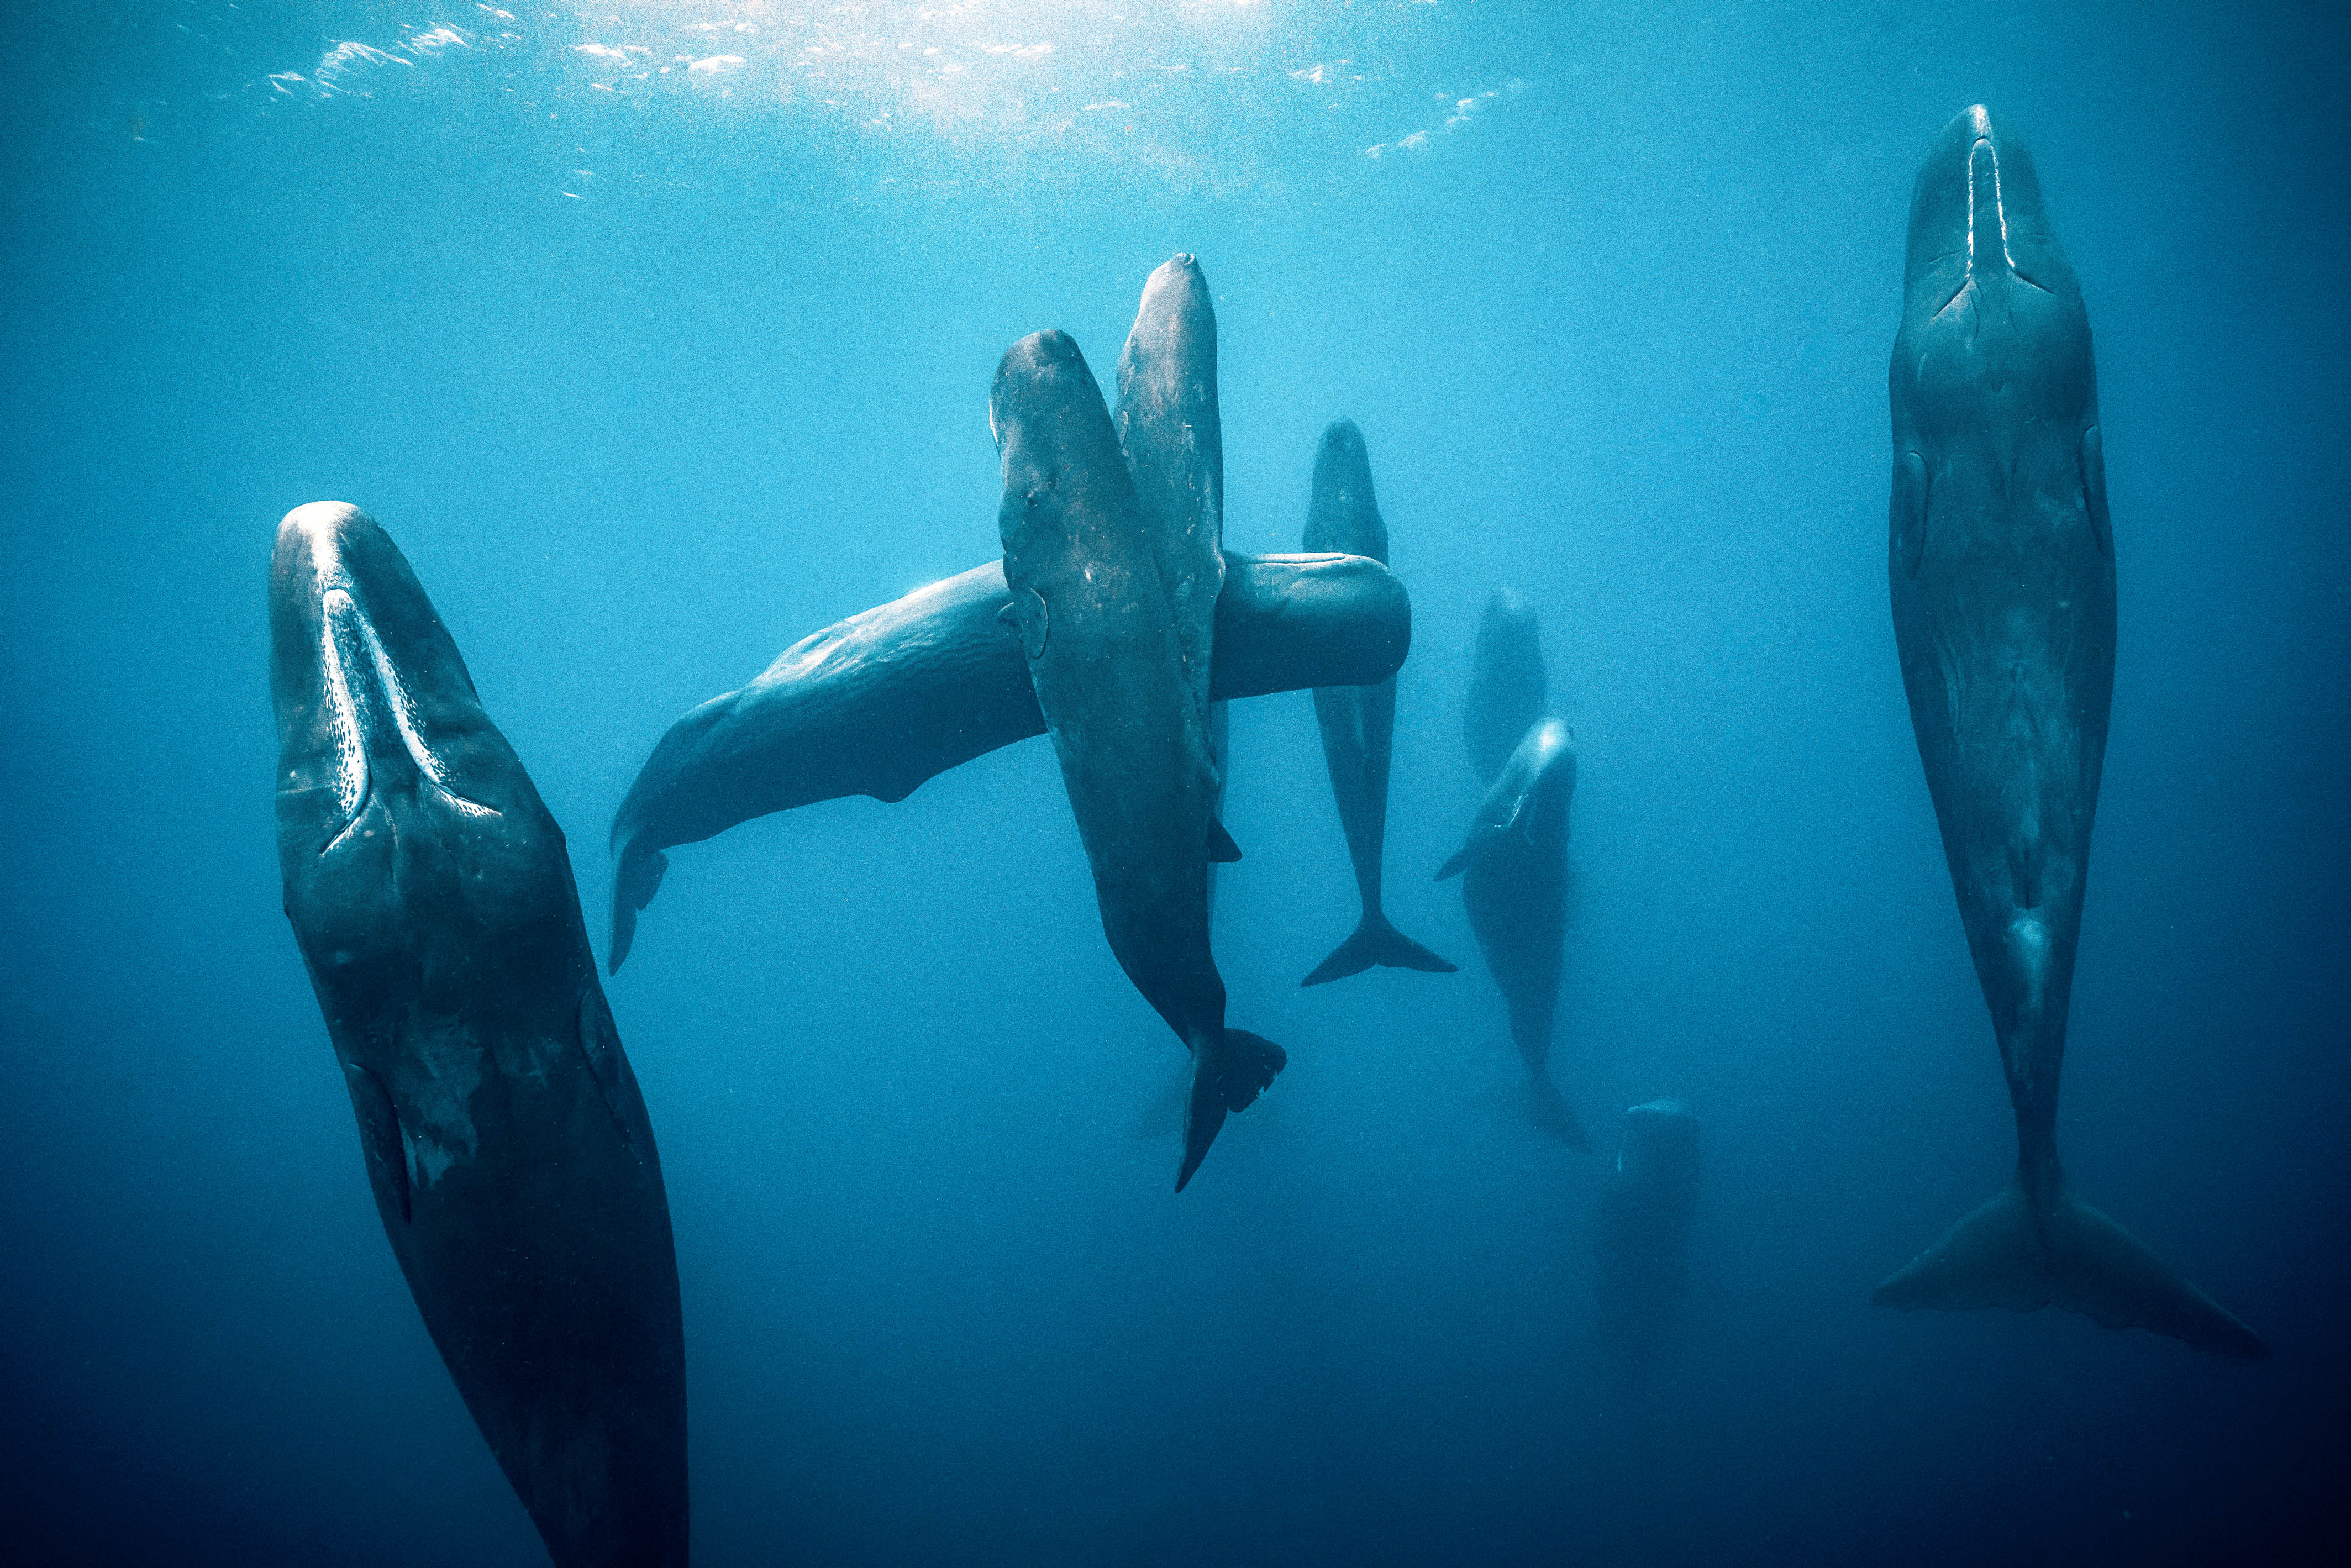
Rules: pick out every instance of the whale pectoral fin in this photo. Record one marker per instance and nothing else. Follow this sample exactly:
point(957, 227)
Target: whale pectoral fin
point(1909, 511)
point(1027, 615)
point(1222, 851)
point(1998, 1257)
point(1458, 864)
point(382, 1142)
point(599, 1044)
point(2093, 489)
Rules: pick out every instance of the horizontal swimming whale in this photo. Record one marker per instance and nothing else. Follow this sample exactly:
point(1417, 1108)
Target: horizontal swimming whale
point(2001, 559)
point(1358, 722)
point(512, 1161)
point(879, 702)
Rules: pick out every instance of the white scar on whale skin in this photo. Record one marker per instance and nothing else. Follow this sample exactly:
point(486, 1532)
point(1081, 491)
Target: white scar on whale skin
point(1999, 207)
point(341, 618)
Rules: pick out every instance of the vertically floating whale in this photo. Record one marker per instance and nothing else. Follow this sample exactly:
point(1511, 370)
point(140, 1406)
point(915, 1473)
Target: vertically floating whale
point(879, 702)
point(1172, 432)
point(2001, 565)
point(513, 1164)
point(1513, 873)
point(1358, 723)
point(1089, 571)
point(1506, 684)
point(1646, 1207)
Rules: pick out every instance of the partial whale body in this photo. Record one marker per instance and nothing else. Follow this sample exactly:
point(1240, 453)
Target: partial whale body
point(1121, 582)
point(883, 702)
point(1357, 720)
point(2000, 563)
point(512, 1161)
point(1513, 871)
point(1647, 1204)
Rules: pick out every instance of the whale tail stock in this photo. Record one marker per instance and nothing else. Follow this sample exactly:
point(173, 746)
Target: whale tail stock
point(2070, 1256)
point(1376, 942)
point(1226, 1077)
point(1550, 1110)
point(636, 877)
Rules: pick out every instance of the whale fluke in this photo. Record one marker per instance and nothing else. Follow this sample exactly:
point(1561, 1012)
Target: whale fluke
point(1376, 942)
point(1226, 1077)
point(634, 881)
point(2071, 1256)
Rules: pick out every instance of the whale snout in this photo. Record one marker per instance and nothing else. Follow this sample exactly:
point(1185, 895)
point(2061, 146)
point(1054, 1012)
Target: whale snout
point(369, 689)
point(1977, 217)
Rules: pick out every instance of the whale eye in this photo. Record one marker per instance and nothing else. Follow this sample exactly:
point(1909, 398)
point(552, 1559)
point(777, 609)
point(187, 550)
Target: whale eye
point(1908, 511)
point(2093, 489)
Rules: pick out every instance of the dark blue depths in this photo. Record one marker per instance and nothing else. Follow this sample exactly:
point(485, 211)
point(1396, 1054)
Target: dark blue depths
point(1616, 337)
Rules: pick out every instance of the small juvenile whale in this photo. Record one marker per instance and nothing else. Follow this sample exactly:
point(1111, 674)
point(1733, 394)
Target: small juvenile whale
point(2001, 560)
point(1515, 888)
point(1358, 722)
point(1088, 568)
point(1646, 1207)
point(879, 702)
point(1506, 684)
point(513, 1164)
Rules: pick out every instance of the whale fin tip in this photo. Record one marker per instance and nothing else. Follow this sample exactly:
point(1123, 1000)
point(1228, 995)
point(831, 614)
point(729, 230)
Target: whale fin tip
point(1222, 851)
point(635, 879)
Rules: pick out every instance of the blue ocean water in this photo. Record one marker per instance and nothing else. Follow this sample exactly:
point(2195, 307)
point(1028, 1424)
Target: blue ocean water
point(659, 334)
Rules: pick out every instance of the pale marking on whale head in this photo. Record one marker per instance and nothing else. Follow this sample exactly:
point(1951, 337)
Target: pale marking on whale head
point(1983, 144)
point(348, 637)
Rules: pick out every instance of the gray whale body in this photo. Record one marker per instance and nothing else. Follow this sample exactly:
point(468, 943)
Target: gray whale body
point(1647, 1204)
point(1357, 721)
point(1114, 602)
point(508, 1148)
point(879, 702)
point(1513, 872)
point(2000, 561)
point(1506, 684)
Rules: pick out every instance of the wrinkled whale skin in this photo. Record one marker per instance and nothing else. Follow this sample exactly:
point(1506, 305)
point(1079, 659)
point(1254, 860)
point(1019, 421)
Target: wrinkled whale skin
point(511, 1158)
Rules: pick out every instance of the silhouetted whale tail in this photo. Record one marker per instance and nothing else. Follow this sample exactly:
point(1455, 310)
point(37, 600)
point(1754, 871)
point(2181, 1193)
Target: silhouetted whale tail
point(1376, 942)
point(1226, 1078)
point(1550, 1110)
point(635, 879)
point(2073, 1257)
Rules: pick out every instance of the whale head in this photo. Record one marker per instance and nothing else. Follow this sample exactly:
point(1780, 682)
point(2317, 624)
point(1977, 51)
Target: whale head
point(1994, 387)
point(1988, 298)
point(397, 797)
